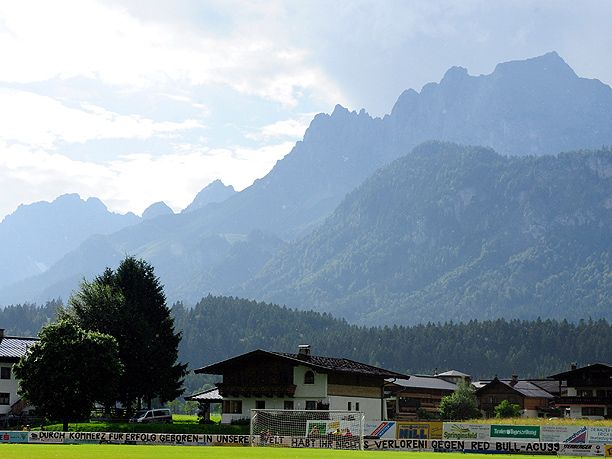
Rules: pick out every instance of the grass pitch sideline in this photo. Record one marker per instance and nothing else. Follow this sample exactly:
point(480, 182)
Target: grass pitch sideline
point(25, 451)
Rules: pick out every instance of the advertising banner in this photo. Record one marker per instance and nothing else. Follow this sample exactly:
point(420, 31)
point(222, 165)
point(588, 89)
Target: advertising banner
point(137, 438)
point(580, 449)
point(465, 431)
point(419, 430)
point(564, 434)
point(379, 429)
point(13, 437)
point(600, 434)
point(332, 427)
point(465, 445)
point(608, 450)
point(515, 432)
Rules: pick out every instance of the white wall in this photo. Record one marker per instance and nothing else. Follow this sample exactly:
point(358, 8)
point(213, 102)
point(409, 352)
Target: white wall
point(369, 406)
point(316, 391)
point(11, 386)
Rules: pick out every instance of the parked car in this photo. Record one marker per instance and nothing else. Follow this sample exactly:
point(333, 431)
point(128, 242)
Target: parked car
point(158, 415)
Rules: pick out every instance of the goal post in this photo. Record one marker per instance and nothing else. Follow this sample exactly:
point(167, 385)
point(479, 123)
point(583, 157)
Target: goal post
point(307, 428)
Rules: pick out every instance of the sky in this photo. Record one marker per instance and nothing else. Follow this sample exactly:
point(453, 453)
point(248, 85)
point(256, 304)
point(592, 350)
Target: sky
point(141, 101)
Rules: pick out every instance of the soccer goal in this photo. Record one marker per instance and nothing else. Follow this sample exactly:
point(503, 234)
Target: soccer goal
point(307, 428)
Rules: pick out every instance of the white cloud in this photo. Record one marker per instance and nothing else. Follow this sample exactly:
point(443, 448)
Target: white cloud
point(290, 129)
point(129, 183)
point(68, 39)
point(41, 121)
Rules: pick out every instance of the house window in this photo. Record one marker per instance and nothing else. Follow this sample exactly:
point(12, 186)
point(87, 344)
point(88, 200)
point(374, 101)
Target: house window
point(260, 404)
point(349, 406)
point(309, 377)
point(356, 406)
point(5, 372)
point(311, 405)
point(288, 405)
point(5, 398)
point(593, 411)
point(232, 406)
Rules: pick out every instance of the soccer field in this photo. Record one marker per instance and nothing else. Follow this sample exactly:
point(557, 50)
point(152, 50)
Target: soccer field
point(23, 451)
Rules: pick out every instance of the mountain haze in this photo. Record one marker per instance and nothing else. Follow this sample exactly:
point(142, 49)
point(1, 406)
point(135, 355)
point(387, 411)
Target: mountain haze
point(37, 235)
point(536, 106)
point(215, 191)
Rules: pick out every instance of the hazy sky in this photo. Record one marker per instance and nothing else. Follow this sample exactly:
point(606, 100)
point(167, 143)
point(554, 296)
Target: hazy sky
point(141, 101)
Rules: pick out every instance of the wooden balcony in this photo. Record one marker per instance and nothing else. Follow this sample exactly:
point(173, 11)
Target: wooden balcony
point(599, 401)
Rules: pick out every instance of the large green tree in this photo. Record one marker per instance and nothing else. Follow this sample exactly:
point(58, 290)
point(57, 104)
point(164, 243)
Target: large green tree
point(460, 405)
point(68, 370)
point(129, 304)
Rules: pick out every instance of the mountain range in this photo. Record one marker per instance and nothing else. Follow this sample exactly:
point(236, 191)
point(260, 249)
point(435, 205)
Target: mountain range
point(239, 241)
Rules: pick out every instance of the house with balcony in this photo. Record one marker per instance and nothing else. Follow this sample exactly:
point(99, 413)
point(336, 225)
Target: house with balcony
point(275, 380)
point(532, 399)
point(11, 350)
point(585, 392)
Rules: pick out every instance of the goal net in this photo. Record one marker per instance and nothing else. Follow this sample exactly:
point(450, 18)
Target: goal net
point(307, 428)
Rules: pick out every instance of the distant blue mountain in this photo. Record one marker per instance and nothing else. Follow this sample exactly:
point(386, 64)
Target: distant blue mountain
point(215, 191)
point(37, 235)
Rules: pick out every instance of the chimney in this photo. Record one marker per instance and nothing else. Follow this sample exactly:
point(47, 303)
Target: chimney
point(573, 366)
point(514, 380)
point(1, 333)
point(303, 351)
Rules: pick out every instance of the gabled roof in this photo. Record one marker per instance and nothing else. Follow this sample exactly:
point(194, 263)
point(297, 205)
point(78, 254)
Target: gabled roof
point(453, 373)
point(598, 366)
point(12, 347)
point(522, 387)
point(425, 382)
point(322, 364)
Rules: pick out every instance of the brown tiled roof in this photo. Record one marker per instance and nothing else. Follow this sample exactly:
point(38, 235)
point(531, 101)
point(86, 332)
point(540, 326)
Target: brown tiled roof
point(341, 365)
point(325, 364)
point(523, 387)
point(12, 347)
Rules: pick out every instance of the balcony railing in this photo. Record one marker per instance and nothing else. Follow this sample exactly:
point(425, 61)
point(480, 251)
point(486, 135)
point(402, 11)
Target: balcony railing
point(583, 400)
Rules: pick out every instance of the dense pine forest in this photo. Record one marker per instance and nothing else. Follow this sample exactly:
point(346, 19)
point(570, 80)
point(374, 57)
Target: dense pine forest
point(220, 327)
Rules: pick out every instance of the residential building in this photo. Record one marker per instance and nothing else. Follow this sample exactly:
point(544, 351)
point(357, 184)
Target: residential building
point(11, 350)
point(302, 381)
point(417, 396)
point(587, 393)
point(532, 399)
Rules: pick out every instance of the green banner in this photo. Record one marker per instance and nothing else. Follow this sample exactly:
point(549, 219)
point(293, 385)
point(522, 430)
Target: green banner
point(501, 431)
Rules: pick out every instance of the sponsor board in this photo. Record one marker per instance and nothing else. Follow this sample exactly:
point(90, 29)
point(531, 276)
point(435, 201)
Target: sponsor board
point(580, 449)
point(600, 434)
point(336, 427)
point(464, 431)
point(564, 434)
point(608, 450)
point(419, 430)
point(515, 432)
point(13, 437)
point(379, 429)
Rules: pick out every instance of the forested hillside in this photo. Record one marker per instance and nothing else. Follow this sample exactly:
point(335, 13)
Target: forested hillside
point(221, 327)
point(452, 232)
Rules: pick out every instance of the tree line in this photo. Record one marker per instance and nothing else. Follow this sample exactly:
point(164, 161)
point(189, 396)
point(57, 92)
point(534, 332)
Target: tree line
point(219, 327)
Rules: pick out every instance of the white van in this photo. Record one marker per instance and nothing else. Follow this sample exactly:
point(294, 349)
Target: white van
point(158, 415)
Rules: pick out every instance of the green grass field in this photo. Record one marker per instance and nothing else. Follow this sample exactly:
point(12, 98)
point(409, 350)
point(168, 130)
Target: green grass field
point(15, 451)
